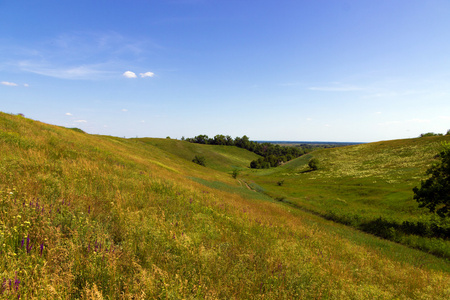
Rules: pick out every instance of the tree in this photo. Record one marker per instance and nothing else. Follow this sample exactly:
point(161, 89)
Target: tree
point(434, 193)
point(314, 164)
point(200, 160)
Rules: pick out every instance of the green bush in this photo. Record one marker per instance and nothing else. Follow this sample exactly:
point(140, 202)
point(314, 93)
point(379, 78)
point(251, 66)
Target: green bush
point(314, 164)
point(200, 160)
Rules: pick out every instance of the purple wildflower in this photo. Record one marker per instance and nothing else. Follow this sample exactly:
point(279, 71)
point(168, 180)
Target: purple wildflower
point(42, 248)
point(28, 245)
point(16, 283)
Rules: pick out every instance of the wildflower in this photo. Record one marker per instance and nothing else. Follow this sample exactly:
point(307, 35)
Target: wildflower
point(16, 283)
point(28, 245)
point(42, 248)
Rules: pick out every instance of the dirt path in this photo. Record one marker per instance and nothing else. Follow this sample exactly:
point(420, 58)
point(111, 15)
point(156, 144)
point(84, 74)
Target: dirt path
point(240, 182)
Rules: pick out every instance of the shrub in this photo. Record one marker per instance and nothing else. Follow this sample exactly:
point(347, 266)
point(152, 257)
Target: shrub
point(200, 160)
point(314, 164)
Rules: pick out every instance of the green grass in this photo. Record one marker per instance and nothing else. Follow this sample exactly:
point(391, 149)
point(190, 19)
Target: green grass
point(367, 186)
point(221, 158)
point(110, 218)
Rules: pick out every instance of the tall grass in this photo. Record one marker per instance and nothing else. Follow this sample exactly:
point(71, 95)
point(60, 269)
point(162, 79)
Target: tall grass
point(92, 217)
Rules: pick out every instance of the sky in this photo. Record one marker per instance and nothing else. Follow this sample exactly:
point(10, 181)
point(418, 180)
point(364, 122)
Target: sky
point(286, 70)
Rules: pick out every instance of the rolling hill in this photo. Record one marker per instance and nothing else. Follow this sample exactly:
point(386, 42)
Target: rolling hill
point(94, 217)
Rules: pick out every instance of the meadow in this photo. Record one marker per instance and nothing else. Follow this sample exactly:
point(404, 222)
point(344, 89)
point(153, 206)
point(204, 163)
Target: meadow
point(367, 186)
point(98, 217)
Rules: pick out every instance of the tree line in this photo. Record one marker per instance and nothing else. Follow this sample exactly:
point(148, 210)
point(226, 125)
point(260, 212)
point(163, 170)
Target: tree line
point(272, 155)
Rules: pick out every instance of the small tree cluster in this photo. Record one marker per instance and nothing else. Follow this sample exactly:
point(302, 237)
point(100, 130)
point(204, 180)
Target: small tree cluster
point(431, 134)
point(272, 155)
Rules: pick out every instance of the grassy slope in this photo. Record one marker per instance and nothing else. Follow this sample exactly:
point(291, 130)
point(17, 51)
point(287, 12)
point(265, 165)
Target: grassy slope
point(114, 218)
point(221, 158)
point(358, 184)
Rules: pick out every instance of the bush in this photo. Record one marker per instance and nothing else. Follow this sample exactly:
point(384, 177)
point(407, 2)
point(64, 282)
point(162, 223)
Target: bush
point(200, 160)
point(314, 164)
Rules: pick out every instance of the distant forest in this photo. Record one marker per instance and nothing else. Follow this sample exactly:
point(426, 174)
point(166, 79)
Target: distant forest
point(272, 155)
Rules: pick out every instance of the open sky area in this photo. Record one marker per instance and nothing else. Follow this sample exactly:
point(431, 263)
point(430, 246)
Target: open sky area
point(292, 70)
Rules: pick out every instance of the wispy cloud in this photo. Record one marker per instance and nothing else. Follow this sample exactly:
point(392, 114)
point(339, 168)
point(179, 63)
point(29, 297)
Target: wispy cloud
point(78, 72)
point(129, 74)
point(68, 114)
point(9, 83)
point(81, 121)
point(124, 110)
point(79, 55)
point(147, 74)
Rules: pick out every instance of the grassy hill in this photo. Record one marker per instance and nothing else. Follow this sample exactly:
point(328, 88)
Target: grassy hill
point(221, 158)
point(95, 217)
point(367, 186)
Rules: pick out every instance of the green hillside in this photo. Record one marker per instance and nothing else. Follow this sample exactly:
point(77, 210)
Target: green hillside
point(222, 158)
point(98, 217)
point(368, 186)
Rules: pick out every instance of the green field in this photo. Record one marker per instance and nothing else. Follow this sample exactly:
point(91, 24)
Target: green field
point(364, 186)
point(98, 217)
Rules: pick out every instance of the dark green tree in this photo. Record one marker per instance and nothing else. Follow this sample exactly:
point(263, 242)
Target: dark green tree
point(200, 160)
point(434, 193)
point(314, 164)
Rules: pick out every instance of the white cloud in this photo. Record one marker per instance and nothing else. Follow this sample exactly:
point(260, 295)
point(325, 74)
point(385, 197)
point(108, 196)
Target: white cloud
point(129, 74)
point(80, 121)
point(68, 114)
point(147, 74)
point(125, 110)
point(8, 83)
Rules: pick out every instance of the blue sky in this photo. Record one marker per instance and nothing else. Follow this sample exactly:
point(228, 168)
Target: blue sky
point(355, 71)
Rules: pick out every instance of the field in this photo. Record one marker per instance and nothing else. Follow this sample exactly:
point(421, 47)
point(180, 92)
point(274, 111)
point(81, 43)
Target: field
point(367, 186)
point(99, 217)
